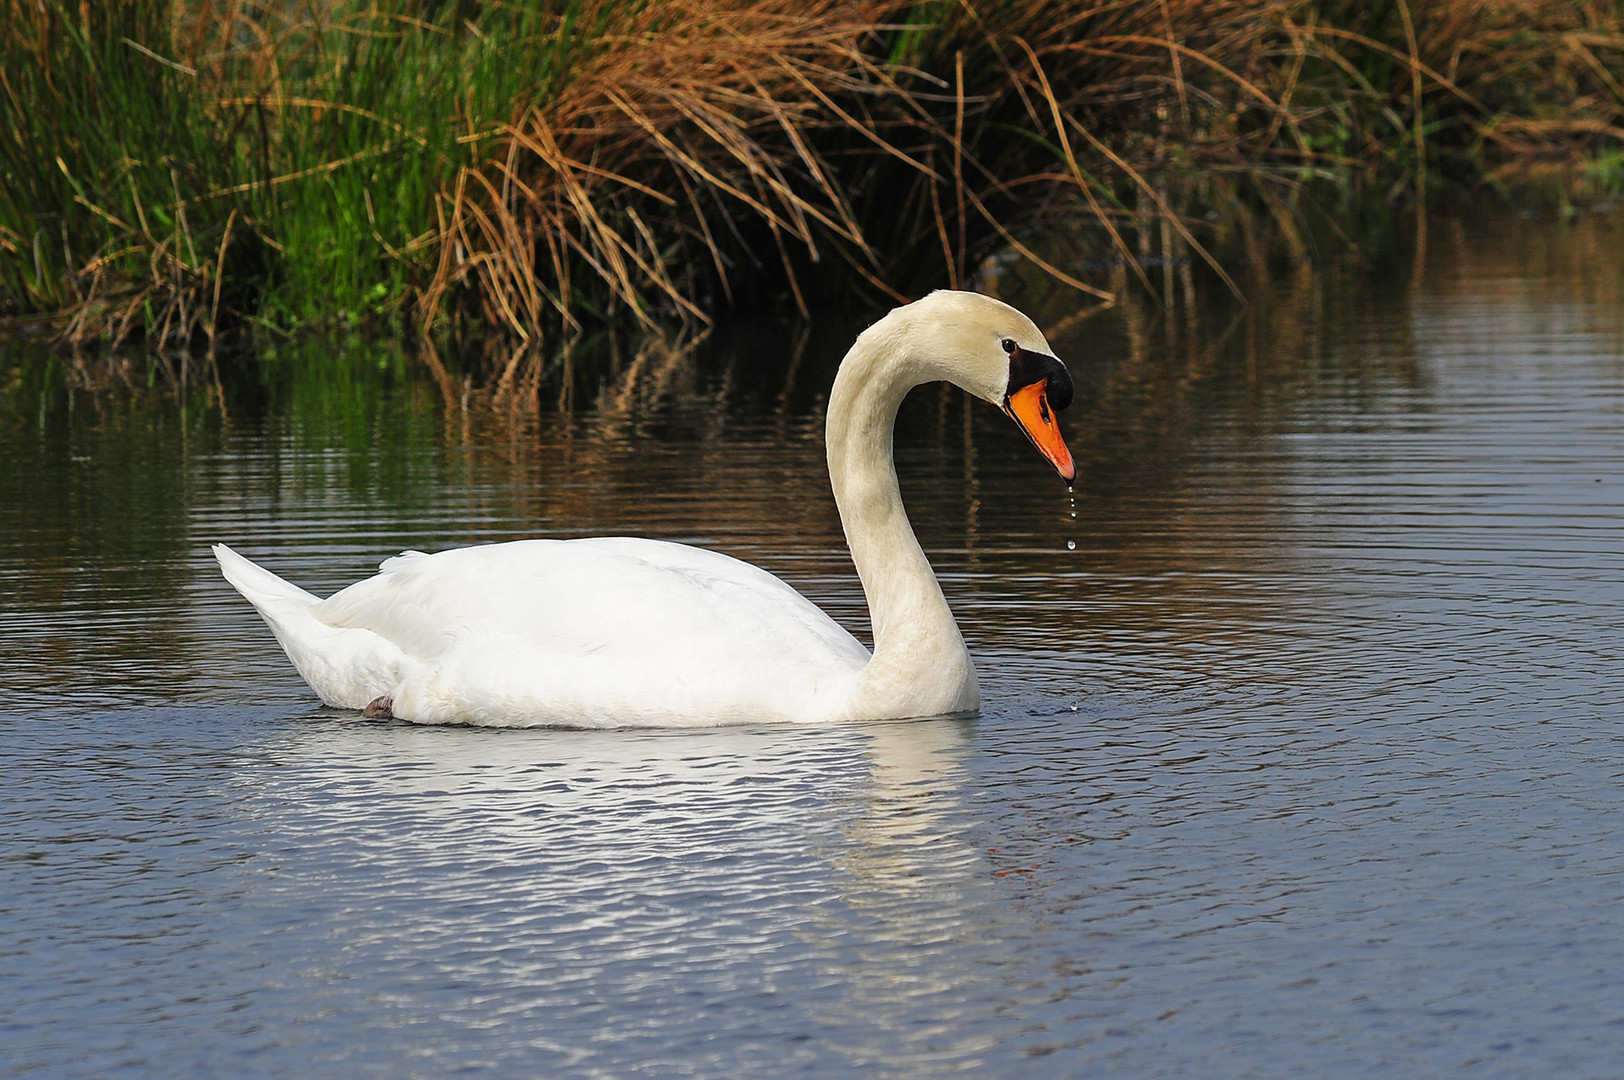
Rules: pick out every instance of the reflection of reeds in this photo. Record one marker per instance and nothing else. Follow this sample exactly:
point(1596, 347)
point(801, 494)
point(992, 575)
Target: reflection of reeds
point(174, 166)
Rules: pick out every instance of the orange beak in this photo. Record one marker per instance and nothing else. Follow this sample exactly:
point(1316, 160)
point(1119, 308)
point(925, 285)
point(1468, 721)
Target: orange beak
point(1029, 407)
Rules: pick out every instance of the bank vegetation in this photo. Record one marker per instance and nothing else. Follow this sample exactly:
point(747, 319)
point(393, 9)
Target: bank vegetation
point(183, 172)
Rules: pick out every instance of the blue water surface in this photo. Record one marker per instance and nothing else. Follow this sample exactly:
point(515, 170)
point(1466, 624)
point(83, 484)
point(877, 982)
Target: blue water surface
point(1304, 759)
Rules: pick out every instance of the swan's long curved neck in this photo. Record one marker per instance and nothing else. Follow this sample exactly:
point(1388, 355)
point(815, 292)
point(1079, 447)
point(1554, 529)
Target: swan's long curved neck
point(920, 665)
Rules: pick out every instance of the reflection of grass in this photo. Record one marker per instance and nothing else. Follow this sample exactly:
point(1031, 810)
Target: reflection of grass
point(175, 166)
point(1147, 376)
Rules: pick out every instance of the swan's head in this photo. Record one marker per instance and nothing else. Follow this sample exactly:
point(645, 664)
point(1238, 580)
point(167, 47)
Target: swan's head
point(999, 355)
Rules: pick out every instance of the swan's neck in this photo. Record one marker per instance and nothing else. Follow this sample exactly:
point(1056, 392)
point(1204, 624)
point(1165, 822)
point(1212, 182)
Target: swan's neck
point(920, 665)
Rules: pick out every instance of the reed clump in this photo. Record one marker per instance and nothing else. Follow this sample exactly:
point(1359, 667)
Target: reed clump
point(175, 170)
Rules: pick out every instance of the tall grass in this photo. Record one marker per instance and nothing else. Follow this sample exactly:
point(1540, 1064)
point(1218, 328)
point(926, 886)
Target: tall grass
point(174, 169)
point(169, 162)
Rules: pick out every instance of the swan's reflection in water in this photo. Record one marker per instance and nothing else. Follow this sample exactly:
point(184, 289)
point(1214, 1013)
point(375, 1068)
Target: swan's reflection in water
point(633, 887)
point(916, 914)
point(904, 836)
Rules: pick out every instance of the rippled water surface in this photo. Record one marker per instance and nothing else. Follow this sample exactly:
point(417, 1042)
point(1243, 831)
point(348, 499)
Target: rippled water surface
point(1302, 751)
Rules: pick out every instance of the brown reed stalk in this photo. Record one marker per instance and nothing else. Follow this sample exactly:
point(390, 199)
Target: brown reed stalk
point(657, 161)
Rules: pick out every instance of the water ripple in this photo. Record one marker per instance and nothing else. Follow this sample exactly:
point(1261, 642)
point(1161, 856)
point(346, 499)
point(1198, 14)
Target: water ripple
point(1304, 760)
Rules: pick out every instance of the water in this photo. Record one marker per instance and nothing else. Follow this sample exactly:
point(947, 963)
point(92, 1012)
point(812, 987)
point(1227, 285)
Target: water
point(1306, 759)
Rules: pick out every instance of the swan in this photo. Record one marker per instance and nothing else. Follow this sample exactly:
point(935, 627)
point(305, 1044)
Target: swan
point(628, 632)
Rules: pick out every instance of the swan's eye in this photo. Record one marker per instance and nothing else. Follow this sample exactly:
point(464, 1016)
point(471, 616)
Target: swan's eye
point(1009, 345)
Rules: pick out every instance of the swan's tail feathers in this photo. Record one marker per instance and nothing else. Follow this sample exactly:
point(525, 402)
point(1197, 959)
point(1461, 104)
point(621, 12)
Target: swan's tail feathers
point(259, 586)
point(346, 667)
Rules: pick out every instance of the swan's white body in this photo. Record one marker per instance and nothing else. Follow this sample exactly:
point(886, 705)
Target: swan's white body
point(622, 632)
point(531, 632)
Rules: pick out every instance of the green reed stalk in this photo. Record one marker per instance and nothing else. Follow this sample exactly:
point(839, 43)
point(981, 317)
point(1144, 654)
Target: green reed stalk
point(175, 168)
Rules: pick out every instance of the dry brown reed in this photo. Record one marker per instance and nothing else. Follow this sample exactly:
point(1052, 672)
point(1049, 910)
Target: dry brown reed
point(663, 161)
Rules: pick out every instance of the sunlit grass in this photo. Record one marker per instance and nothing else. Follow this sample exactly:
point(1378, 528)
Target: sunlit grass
point(174, 169)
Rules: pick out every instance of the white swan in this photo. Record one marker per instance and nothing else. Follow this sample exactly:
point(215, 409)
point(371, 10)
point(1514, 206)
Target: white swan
point(623, 632)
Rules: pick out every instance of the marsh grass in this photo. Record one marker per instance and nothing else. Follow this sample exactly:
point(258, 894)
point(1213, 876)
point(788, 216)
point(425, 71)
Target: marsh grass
point(176, 170)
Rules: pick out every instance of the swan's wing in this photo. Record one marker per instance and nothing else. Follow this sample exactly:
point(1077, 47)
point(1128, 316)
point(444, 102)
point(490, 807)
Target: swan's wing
point(585, 593)
point(605, 625)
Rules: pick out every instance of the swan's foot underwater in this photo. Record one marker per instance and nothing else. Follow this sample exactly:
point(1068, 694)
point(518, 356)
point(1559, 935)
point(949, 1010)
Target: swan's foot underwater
point(379, 708)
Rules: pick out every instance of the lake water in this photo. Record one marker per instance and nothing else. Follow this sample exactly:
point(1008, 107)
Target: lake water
point(1302, 751)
